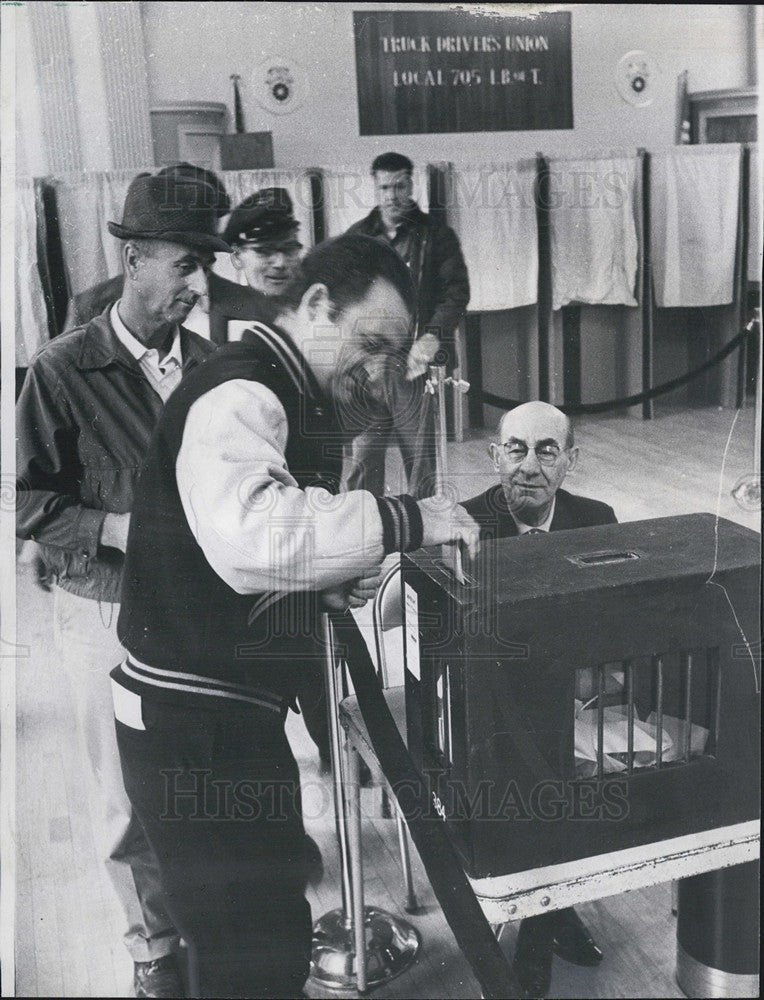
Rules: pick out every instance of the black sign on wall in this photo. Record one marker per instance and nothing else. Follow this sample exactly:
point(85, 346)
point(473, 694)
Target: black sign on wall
point(460, 71)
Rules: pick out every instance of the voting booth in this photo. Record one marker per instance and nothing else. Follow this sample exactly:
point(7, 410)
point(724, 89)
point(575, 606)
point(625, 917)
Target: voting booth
point(586, 691)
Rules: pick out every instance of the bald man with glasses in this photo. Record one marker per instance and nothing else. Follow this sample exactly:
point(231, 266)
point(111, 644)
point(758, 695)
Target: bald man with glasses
point(534, 453)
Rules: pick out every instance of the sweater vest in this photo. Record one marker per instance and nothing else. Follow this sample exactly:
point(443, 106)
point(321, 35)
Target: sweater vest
point(189, 635)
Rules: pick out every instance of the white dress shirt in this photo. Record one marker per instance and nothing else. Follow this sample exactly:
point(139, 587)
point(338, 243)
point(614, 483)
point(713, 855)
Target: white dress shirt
point(523, 528)
point(163, 375)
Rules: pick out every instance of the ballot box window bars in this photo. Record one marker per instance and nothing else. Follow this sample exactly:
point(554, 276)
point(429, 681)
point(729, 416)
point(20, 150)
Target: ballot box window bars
point(647, 712)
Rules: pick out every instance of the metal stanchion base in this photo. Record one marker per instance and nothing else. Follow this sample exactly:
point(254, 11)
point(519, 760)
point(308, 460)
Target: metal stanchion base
point(391, 947)
point(698, 980)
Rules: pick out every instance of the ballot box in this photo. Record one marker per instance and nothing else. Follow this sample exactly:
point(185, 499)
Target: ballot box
point(586, 691)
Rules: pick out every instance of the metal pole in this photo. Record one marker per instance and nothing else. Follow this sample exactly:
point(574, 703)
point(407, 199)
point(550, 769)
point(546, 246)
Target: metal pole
point(350, 956)
point(438, 376)
point(333, 961)
point(340, 816)
point(353, 791)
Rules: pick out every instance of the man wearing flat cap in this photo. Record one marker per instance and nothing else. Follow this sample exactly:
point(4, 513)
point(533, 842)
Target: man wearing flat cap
point(262, 232)
point(224, 304)
point(86, 412)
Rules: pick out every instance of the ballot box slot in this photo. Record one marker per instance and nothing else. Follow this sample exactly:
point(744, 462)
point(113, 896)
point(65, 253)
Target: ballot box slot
point(646, 713)
point(604, 558)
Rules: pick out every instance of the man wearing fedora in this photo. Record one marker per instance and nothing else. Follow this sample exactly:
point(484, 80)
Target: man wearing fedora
point(90, 402)
point(225, 303)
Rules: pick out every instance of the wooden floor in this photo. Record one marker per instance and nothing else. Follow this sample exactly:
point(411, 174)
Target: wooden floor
point(68, 929)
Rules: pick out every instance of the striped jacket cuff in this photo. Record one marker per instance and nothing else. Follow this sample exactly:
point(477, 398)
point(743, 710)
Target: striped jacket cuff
point(402, 528)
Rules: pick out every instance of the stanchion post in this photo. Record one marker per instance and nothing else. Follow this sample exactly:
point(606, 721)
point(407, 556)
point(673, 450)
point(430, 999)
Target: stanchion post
point(356, 947)
point(335, 750)
point(438, 378)
point(353, 792)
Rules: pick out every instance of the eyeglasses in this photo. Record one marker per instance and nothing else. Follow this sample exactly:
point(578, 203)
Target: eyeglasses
point(268, 250)
point(547, 454)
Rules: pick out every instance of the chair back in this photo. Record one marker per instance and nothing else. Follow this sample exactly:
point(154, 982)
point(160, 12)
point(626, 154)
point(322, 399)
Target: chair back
point(387, 614)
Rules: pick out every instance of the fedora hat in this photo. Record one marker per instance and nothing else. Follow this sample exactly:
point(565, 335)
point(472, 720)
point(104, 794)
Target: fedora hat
point(264, 215)
point(221, 203)
point(170, 207)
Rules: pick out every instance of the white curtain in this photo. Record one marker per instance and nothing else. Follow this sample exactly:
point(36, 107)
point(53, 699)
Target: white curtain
point(296, 182)
point(754, 217)
point(594, 245)
point(113, 188)
point(493, 211)
point(349, 195)
point(694, 211)
point(86, 202)
point(31, 313)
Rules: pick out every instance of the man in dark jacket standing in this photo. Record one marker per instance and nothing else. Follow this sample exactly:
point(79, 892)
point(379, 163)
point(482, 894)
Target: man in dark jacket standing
point(432, 253)
point(534, 454)
point(86, 412)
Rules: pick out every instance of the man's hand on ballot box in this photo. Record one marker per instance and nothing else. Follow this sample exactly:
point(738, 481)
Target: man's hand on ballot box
point(446, 521)
point(443, 521)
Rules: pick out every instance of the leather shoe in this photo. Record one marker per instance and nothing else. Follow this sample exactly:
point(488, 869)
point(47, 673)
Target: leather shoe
point(572, 940)
point(532, 964)
point(160, 978)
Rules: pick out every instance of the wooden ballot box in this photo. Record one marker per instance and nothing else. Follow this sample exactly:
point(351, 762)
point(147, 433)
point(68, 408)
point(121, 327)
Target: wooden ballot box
point(586, 691)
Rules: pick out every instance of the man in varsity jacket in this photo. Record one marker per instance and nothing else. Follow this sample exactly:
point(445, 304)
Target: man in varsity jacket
point(239, 539)
point(533, 455)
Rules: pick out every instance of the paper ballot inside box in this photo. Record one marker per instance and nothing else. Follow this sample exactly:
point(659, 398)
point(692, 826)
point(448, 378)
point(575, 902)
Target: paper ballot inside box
point(676, 728)
point(615, 738)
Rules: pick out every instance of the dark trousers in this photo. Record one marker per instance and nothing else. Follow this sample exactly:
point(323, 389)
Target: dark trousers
point(217, 792)
point(311, 696)
point(405, 427)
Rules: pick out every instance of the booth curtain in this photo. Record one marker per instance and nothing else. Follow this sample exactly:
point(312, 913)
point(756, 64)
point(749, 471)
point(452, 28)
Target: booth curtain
point(695, 194)
point(493, 211)
point(31, 309)
point(754, 216)
point(594, 244)
point(594, 248)
point(86, 202)
point(296, 182)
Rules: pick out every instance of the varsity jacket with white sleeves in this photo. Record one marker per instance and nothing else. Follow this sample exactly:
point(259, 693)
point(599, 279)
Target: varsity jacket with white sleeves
point(238, 526)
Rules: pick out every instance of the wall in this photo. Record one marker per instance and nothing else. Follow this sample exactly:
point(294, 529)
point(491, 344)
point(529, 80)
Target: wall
point(217, 40)
point(81, 88)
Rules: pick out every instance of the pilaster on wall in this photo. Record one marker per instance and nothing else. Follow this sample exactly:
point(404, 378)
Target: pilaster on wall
point(56, 88)
point(91, 81)
point(123, 57)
